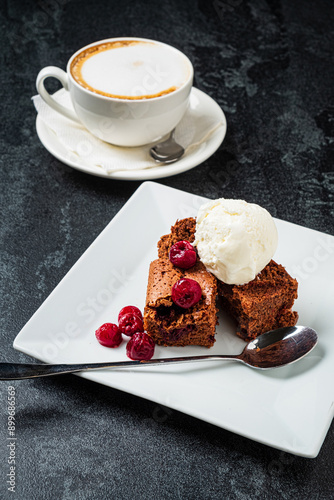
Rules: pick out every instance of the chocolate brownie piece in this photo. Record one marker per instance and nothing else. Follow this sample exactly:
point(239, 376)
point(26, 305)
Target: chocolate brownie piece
point(183, 229)
point(167, 323)
point(263, 304)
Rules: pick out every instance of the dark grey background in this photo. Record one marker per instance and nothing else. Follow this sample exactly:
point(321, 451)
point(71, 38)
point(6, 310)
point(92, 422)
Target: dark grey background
point(269, 64)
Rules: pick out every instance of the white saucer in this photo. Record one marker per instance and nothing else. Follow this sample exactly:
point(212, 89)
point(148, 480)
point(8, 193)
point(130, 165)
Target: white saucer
point(191, 159)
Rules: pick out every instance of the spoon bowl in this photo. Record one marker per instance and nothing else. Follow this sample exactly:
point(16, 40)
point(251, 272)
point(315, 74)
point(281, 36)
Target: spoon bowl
point(167, 151)
point(279, 347)
point(271, 350)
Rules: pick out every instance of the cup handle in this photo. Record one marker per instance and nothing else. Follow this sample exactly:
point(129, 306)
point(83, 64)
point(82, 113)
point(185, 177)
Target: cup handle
point(53, 71)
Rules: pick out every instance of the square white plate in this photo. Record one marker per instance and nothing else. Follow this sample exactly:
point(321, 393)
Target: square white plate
point(289, 408)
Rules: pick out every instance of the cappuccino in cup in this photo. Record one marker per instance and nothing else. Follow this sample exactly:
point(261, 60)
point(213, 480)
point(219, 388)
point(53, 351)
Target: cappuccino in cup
point(125, 91)
point(130, 69)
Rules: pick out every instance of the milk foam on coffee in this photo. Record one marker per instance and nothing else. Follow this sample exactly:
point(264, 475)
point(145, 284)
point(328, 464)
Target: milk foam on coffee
point(130, 69)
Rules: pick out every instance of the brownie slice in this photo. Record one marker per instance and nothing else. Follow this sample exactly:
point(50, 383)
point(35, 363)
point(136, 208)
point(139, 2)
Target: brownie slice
point(263, 304)
point(164, 321)
point(183, 229)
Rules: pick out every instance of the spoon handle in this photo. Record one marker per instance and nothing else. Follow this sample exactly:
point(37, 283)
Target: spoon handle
point(19, 371)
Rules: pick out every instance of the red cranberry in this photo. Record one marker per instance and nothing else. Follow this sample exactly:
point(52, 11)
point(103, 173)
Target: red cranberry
point(130, 323)
point(109, 335)
point(186, 293)
point(182, 254)
point(140, 346)
point(130, 309)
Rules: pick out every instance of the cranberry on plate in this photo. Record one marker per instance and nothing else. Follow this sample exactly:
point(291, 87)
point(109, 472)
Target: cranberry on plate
point(109, 335)
point(186, 293)
point(130, 323)
point(182, 254)
point(140, 347)
point(130, 309)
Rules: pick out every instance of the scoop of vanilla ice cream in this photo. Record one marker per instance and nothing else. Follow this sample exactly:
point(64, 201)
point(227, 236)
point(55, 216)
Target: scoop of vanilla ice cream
point(235, 240)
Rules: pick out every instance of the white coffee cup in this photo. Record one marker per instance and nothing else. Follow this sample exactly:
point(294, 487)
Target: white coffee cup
point(156, 79)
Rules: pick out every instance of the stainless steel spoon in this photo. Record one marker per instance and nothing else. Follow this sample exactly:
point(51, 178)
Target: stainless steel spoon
point(270, 350)
point(167, 151)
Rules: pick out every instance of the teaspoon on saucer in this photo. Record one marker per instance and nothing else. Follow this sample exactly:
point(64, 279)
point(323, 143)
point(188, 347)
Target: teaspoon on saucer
point(272, 349)
point(167, 151)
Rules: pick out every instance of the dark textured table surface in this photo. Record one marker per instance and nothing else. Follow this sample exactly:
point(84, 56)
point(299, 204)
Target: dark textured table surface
point(269, 65)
